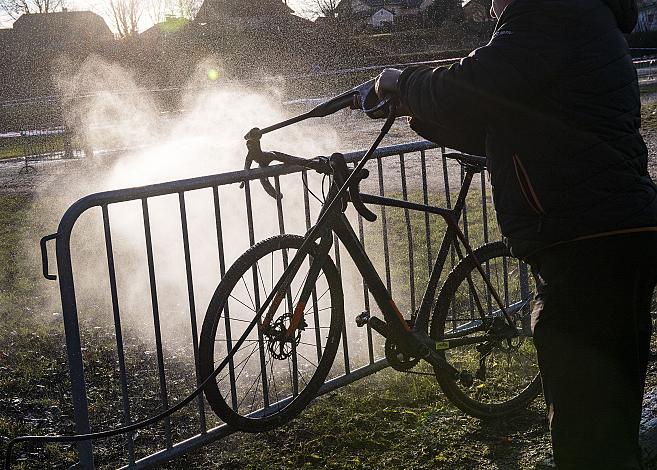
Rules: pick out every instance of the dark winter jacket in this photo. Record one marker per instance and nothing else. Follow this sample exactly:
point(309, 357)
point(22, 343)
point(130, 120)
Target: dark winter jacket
point(553, 102)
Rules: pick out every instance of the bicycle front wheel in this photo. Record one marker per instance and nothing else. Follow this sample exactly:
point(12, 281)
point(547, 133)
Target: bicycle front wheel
point(498, 376)
point(277, 370)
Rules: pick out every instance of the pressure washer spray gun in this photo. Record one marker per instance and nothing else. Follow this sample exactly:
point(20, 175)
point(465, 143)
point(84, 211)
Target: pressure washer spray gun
point(361, 97)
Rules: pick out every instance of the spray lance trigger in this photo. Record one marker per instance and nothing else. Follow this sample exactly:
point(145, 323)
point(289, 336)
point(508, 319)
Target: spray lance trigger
point(255, 154)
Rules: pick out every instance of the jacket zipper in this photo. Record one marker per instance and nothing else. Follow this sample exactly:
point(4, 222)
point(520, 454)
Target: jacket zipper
point(528, 189)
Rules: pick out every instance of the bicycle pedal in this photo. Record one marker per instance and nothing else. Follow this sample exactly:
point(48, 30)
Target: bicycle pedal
point(362, 319)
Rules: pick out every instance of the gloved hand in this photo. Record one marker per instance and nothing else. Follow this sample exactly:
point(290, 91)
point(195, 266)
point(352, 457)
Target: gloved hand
point(387, 86)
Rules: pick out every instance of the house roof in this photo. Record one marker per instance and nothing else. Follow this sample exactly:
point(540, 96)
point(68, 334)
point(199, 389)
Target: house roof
point(374, 5)
point(384, 3)
point(63, 25)
point(222, 9)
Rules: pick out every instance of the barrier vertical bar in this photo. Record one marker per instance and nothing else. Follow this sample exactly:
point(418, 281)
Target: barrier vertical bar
point(384, 224)
point(484, 206)
point(192, 304)
point(222, 272)
point(425, 199)
point(465, 212)
point(125, 400)
point(345, 341)
point(306, 207)
point(409, 234)
point(290, 306)
point(366, 295)
point(73, 346)
point(448, 197)
point(156, 319)
point(256, 293)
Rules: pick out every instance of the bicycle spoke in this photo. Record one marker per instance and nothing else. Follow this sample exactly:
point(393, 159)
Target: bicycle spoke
point(249, 293)
point(308, 312)
point(262, 280)
point(238, 300)
point(273, 379)
point(320, 297)
point(239, 405)
point(253, 351)
point(296, 296)
point(306, 359)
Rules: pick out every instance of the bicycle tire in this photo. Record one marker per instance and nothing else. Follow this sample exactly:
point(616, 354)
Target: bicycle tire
point(226, 308)
point(496, 395)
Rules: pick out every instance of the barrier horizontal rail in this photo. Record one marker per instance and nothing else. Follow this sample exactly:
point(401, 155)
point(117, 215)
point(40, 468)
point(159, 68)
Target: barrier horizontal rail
point(394, 166)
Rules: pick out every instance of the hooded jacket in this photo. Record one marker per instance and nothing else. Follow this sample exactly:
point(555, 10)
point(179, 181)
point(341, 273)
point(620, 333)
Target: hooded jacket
point(553, 102)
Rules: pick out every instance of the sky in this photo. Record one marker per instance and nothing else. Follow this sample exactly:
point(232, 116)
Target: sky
point(301, 7)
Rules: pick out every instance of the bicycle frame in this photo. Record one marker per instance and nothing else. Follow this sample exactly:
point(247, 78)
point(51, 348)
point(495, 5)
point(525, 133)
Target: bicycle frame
point(414, 341)
point(398, 327)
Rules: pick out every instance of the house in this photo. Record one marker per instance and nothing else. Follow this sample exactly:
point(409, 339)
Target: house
point(381, 18)
point(61, 28)
point(235, 16)
point(254, 35)
point(477, 11)
point(169, 28)
point(647, 16)
point(382, 13)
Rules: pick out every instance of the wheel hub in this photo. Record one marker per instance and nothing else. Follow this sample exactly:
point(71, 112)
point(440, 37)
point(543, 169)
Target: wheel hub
point(278, 344)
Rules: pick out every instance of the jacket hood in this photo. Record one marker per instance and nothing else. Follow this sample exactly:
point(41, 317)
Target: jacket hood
point(626, 13)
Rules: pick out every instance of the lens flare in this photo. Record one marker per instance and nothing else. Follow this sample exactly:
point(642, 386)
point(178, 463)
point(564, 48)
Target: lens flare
point(213, 74)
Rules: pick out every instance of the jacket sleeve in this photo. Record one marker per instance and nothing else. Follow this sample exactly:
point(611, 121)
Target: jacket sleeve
point(495, 81)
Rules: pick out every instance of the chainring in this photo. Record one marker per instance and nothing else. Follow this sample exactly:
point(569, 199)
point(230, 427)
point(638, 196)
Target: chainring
point(397, 359)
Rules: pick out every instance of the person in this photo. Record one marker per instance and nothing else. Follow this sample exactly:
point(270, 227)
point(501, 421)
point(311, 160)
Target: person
point(553, 102)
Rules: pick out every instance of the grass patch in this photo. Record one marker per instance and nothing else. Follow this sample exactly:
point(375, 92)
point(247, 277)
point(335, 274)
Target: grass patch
point(648, 88)
point(389, 420)
point(11, 147)
point(649, 117)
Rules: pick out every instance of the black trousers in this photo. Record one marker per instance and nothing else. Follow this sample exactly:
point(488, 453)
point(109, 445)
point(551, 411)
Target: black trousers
point(592, 329)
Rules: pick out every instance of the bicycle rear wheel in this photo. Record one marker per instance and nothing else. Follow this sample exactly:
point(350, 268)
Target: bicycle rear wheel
point(273, 375)
point(498, 376)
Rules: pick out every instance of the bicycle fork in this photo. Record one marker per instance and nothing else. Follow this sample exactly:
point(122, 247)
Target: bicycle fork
point(296, 320)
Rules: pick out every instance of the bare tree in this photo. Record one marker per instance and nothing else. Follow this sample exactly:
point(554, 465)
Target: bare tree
point(156, 10)
point(328, 8)
point(159, 10)
point(16, 8)
point(187, 8)
point(126, 14)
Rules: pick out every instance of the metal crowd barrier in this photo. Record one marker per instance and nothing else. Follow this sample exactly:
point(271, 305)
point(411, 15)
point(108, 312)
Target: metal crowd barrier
point(417, 171)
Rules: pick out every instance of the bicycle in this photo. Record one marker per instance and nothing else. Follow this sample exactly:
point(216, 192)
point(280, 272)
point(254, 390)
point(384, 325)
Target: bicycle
point(283, 298)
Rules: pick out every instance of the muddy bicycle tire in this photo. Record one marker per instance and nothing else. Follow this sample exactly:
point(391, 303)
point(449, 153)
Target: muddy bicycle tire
point(288, 368)
point(498, 390)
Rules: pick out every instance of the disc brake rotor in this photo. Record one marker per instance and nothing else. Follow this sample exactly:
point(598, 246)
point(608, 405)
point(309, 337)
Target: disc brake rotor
point(279, 346)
